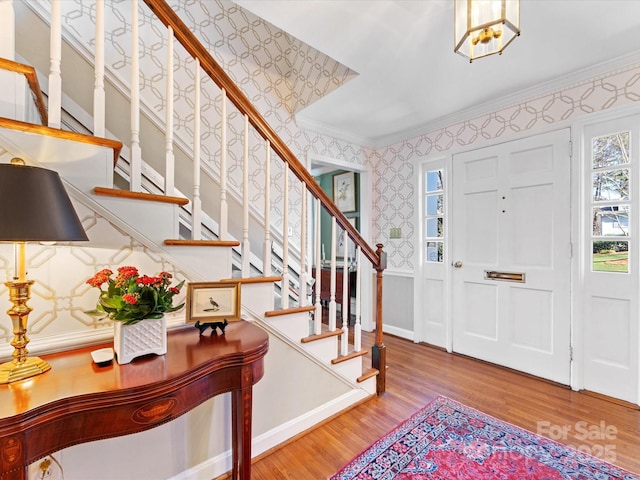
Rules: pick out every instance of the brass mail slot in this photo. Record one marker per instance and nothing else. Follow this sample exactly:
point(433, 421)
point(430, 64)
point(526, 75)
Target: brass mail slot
point(504, 276)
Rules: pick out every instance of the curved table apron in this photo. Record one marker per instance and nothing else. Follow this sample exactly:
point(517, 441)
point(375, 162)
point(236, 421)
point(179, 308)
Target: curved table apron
point(77, 401)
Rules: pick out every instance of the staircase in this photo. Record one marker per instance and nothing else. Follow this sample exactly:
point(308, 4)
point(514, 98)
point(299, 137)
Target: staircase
point(227, 239)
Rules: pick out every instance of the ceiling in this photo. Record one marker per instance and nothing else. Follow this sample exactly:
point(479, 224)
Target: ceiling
point(410, 80)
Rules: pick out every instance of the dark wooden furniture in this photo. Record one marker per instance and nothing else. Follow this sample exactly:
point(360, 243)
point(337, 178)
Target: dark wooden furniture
point(77, 401)
point(325, 287)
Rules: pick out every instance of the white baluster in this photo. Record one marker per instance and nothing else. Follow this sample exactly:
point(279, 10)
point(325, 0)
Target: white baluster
point(345, 294)
point(169, 176)
point(285, 239)
point(135, 173)
point(304, 301)
point(357, 328)
point(98, 89)
point(196, 215)
point(266, 266)
point(332, 291)
point(55, 75)
point(317, 323)
point(224, 210)
point(246, 246)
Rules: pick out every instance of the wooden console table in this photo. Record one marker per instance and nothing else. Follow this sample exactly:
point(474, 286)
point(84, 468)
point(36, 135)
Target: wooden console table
point(77, 401)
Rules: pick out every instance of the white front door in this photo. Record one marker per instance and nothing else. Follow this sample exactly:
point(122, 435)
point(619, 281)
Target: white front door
point(610, 302)
point(511, 254)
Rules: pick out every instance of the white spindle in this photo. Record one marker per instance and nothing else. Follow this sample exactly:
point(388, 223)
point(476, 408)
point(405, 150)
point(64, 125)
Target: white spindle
point(135, 180)
point(304, 300)
point(285, 239)
point(332, 291)
point(196, 215)
point(169, 176)
point(357, 328)
point(246, 246)
point(55, 75)
point(317, 321)
point(345, 294)
point(266, 257)
point(99, 113)
point(224, 210)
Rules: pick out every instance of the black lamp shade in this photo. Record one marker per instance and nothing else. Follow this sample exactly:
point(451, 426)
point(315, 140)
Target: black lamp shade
point(35, 207)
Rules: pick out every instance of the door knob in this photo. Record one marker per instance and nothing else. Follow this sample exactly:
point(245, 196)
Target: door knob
point(458, 264)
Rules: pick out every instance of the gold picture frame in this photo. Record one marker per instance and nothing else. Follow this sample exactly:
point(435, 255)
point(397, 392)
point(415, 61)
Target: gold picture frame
point(213, 302)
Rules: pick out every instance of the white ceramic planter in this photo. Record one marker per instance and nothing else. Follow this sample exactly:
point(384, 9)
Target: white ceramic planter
point(142, 338)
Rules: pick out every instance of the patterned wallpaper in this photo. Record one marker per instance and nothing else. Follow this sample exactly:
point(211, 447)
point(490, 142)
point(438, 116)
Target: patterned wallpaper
point(279, 75)
point(395, 165)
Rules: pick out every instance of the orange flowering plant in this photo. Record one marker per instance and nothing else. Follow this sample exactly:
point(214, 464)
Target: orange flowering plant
point(131, 297)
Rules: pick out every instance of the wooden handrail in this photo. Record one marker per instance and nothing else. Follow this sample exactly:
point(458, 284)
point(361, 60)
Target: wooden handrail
point(32, 79)
point(195, 48)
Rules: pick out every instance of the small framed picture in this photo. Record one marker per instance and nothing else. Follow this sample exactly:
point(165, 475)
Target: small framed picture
point(344, 191)
point(213, 302)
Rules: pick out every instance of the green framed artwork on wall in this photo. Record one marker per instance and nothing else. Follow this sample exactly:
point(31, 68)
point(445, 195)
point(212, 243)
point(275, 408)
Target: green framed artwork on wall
point(344, 191)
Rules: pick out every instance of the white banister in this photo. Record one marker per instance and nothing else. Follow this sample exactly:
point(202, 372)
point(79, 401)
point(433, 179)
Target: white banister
point(196, 213)
point(303, 299)
point(266, 255)
point(224, 209)
point(357, 328)
point(135, 169)
point(99, 113)
point(169, 176)
point(344, 343)
point(246, 245)
point(285, 239)
point(55, 75)
point(332, 290)
point(317, 323)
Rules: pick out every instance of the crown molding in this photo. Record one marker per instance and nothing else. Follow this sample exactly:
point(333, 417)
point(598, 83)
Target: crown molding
point(578, 77)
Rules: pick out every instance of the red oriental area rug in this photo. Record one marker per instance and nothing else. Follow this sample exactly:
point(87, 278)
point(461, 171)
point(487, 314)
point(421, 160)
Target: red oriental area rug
point(447, 440)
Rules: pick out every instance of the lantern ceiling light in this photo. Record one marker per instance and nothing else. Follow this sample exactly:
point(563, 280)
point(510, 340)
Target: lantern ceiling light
point(485, 27)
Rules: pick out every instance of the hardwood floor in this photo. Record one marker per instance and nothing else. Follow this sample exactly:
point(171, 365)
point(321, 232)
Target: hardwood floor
point(418, 373)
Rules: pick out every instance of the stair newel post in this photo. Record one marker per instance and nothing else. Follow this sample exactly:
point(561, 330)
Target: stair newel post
point(169, 175)
point(98, 89)
point(246, 246)
point(332, 289)
point(317, 320)
point(303, 301)
point(266, 256)
point(357, 327)
point(135, 169)
point(224, 215)
point(345, 294)
point(285, 239)
point(378, 350)
point(196, 204)
point(55, 74)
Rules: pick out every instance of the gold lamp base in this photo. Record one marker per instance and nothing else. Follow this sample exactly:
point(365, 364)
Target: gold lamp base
point(21, 366)
point(13, 371)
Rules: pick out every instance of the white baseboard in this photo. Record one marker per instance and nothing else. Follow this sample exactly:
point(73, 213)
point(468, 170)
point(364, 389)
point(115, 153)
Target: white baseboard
point(222, 463)
point(399, 332)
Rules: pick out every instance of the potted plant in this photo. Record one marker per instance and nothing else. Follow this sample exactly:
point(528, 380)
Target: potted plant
point(137, 305)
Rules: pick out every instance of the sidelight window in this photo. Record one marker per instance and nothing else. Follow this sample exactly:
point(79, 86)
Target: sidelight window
point(434, 216)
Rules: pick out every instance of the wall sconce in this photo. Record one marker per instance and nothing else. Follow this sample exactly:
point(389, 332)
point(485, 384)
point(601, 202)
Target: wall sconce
point(485, 27)
point(34, 207)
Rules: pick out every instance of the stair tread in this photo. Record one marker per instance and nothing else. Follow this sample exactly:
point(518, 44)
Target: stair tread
point(327, 334)
point(286, 311)
point(115, 192)
point(245, 280)
point(372, 372)
point(348, 356)
point(201, 243)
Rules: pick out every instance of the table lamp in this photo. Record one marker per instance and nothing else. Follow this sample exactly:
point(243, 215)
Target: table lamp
point(34, 207)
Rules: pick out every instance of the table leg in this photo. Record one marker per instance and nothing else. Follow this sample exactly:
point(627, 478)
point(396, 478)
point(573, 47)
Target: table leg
point(241, 433)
